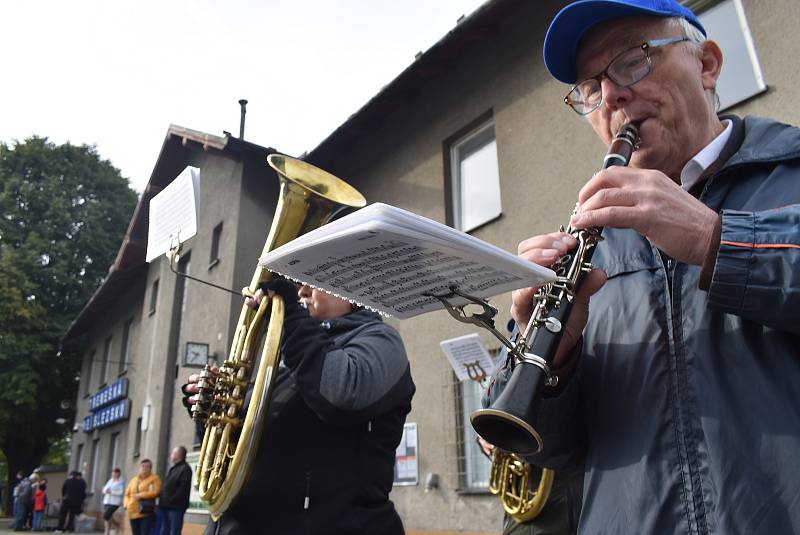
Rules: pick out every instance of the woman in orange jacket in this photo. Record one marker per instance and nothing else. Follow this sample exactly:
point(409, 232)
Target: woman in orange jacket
point(140, 498)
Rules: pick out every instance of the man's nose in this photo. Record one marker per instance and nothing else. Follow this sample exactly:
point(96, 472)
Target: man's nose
point(615, 96)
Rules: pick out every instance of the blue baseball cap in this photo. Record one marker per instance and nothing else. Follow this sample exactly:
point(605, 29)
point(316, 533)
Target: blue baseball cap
point(571, 23)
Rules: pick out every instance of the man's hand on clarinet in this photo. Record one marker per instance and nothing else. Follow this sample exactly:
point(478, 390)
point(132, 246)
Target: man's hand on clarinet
point(545, 250)
point(653, 205)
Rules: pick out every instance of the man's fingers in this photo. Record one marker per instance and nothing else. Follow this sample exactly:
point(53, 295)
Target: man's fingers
point(558, 241)
point(594, 280)
point(612, 216)
point(613, 177)
point(610, 197)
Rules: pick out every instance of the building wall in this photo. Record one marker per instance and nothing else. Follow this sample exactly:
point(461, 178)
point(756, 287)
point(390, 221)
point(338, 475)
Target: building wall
point(128, 307)
point(157, 367)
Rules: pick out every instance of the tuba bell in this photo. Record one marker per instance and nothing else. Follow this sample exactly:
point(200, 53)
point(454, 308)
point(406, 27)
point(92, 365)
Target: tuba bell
point(309, 197)
point(509, 480)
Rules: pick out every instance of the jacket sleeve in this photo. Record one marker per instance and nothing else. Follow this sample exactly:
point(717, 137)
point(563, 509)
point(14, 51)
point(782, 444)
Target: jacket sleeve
point(152, 493)
point(349, 384)
point(757, 271)
point(129, 491)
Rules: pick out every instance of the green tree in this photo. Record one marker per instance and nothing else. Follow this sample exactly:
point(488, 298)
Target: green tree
point(63, 214)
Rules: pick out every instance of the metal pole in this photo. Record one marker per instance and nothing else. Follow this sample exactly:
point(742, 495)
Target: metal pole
point(243, 104)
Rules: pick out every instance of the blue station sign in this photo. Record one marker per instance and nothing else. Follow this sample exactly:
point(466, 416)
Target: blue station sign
point(113, 392)
point(108, 415)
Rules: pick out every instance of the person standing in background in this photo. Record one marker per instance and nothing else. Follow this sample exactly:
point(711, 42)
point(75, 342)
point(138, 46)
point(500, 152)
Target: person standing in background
point(113, 491)
point(39, 506)
point(174, 499)
point(140, 499)
point(73, 492)
point(23, 502)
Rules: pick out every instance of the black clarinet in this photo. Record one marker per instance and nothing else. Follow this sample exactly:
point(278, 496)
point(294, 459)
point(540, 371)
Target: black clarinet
point(508, 422)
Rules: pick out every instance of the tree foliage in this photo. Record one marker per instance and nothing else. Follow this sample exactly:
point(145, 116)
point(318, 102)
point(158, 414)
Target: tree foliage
point(63, 213)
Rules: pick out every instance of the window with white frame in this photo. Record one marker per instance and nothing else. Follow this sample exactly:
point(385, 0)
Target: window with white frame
point(106, 359)
point(475, 465)
point(113, 452)
point(472, 464)
point(741, 77)
point(475, 179)
point(95, 455)
point(125, 350)
point(79, 458)
point(87, 383)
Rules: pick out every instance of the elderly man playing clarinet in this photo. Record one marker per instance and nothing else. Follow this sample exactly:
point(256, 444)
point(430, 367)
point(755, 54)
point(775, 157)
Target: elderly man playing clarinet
point(679, 370)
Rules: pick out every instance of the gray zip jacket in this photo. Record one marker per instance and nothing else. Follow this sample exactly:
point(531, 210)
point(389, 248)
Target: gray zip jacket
point(685, 404)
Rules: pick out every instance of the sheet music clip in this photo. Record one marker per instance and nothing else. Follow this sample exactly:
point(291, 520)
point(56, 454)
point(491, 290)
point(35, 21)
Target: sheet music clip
point(475, 371)
point(483, 319)
point(173, 257)
point(174, 253)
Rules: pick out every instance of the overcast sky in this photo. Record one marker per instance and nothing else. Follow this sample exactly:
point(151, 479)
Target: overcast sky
point(117, 74)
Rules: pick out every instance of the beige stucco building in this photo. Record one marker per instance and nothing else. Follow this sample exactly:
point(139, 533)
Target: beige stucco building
point(478, 103)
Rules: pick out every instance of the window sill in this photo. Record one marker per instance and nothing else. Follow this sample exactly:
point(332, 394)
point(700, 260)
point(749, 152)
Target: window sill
point(473, 491)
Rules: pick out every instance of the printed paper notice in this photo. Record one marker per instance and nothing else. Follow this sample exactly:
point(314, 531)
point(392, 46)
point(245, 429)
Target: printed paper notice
point(468, 357)
point(173, 213)
point(406, 466)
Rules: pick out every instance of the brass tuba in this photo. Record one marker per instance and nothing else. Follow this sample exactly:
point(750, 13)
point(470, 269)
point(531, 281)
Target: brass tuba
point(309, 197)
point(509, 479)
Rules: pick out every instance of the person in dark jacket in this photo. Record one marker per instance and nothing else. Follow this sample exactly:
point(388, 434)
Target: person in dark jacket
point(326, 460)
point(174, 499)
point(73, 492)
point(678, 387)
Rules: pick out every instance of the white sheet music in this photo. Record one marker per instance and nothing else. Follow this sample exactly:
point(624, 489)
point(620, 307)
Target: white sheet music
point(468, 357)
point(173, 213)
point(388, 259)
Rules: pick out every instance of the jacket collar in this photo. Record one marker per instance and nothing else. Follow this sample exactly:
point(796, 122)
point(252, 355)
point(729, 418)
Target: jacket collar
point(760, 140)
point(350, 321)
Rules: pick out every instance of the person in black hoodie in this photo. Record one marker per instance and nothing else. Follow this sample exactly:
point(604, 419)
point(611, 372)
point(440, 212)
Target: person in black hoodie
point(174, 498)
point(326, 460)
point(73, 492)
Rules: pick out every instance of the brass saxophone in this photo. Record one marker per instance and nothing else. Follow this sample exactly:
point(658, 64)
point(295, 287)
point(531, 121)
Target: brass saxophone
point(509, 479)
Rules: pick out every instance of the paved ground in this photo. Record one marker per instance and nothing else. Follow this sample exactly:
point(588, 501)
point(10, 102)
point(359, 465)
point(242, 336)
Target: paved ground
point(5, 527)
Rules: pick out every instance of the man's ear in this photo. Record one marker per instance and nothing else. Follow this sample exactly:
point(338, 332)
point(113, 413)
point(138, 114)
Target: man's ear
point(711, 61)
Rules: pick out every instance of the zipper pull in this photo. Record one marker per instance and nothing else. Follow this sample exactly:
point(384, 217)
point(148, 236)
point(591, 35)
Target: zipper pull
point(307, 500)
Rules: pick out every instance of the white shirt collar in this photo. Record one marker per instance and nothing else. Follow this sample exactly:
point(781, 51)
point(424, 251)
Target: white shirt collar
point(702, 160)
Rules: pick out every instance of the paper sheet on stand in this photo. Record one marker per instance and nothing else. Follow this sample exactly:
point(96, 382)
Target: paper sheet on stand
point(173, 213)
point(468, 357)
point(388, 259)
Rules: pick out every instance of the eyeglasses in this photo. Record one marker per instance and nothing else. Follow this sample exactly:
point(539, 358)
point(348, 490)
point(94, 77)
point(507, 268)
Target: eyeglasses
point(627, 68)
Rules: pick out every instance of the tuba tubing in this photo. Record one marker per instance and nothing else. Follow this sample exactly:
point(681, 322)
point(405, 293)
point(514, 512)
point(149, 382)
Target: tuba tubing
point(309, 197)
point(509, 480)
point(508, 423)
